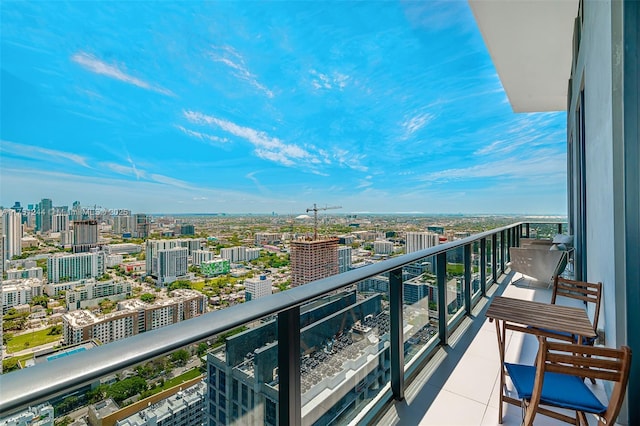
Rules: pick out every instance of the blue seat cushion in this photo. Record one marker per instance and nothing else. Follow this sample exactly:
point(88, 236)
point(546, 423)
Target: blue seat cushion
point(589, 341)
point(559, 390)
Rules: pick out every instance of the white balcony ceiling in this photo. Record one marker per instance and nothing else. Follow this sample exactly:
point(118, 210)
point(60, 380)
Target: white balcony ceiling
point(530, 43)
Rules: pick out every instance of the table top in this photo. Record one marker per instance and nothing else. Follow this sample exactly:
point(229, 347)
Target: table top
point(541, 315)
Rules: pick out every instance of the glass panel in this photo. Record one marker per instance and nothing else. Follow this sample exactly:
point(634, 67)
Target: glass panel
point(420, 306)
point(498, 254)
point(475, 269)
point(344, 335)
point(455, 281)
point(489, 257)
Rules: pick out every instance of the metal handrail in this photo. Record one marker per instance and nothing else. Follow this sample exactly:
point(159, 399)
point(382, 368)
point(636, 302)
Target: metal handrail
point(45, 381)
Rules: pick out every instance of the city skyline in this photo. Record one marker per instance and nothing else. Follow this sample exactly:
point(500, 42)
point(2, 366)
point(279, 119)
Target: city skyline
point(267, 107)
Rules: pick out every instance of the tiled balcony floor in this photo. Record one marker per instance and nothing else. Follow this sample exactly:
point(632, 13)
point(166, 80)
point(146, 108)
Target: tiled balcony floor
point(461, 387)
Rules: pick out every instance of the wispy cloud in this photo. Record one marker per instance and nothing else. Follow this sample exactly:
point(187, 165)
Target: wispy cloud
point(329, 81)
point(228, 56)
point(545, 165)
point(95, 65)
point(266, 147)
point(35, 152)
point(416, 122)
point(352, 161)
point(203, 136)
point(142, 175)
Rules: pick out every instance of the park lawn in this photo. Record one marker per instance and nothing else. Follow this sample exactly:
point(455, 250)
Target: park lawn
point(191, 374)
point(31, 340)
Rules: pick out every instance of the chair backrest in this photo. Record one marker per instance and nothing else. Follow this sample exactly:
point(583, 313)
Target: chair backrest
point(596, 362)
point(580, 290)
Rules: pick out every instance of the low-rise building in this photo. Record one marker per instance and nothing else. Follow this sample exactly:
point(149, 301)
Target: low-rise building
point(22, 273)
point(40, 415)
point(91, 292)
point(19, 292)
point(132, 317)
point(257, 287)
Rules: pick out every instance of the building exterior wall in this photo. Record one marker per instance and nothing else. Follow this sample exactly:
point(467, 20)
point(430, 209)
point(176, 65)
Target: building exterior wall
point(75, 266)
point(313, 260)
point(416, 241)
point(605, 160)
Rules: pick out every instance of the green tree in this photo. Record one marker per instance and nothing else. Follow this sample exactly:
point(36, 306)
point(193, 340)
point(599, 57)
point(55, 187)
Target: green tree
point(179, 284)
point(147, 297)
point(202, 349)
point(180, 357)
point(40, 300)
point(126, 388)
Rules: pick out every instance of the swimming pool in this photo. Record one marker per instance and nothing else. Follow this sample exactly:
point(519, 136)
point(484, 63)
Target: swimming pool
point(66, 353)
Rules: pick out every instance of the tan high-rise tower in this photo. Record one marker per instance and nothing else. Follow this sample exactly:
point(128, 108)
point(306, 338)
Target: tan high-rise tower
point(313, 260)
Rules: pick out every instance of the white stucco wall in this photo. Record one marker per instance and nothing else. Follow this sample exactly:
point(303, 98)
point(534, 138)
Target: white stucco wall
point(596, 46)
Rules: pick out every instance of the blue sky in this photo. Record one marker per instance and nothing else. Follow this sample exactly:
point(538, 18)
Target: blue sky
point(266, 107)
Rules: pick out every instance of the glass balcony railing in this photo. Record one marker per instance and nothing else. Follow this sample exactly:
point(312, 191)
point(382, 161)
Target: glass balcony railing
point(328, 352)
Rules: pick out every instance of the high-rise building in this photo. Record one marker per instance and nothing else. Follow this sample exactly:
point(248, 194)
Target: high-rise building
point(44, 212)
point(172, 264)
point(254, 288)
point(85, 235)
point(337, 335)
point(59, 222)
point(72, 267)
point(187, 230)
point(142, 226)
point(344, 259)
point(239, 254)
point(383, 247)
point(76, 211)
point(153, 247)
point(416, 241)
point(199, 256)
point(11, 234)
point(123, 224)
point(313, 260)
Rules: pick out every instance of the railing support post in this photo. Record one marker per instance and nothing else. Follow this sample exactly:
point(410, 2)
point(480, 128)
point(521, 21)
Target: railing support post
point(494, 257)
point(290, 391)
point(502, 244)
point(441, 279)
point(527, 228)
point(483, 267)
point(397, 337)
point(467, 278)
point(560, 228)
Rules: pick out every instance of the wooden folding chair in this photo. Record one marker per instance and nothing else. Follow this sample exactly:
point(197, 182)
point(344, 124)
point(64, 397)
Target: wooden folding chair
point(558, 381)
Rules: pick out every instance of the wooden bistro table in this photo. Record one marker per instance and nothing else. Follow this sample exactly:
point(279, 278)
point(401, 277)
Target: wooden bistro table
point(533, 317)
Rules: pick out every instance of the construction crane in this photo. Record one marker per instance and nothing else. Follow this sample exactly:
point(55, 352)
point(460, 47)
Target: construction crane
point(315, 209)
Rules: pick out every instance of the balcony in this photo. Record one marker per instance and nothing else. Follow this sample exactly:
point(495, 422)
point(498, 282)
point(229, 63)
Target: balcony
point(368, 345)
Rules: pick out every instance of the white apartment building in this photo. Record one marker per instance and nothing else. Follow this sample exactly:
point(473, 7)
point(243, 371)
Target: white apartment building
point(382, 247)
point(267, 237)
point(239, 254)
point(19, 292)
point(200, 256)
point(59, 222)
point(344, 259)
point(11, 234)
point(153, 247)
point(90, 292)
point(61, 267)
point(112, 260)
point(171, 264)
point(256, 288)
point(416, 241)
point(132, 317)
point(124, 248)
point(16, 274)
